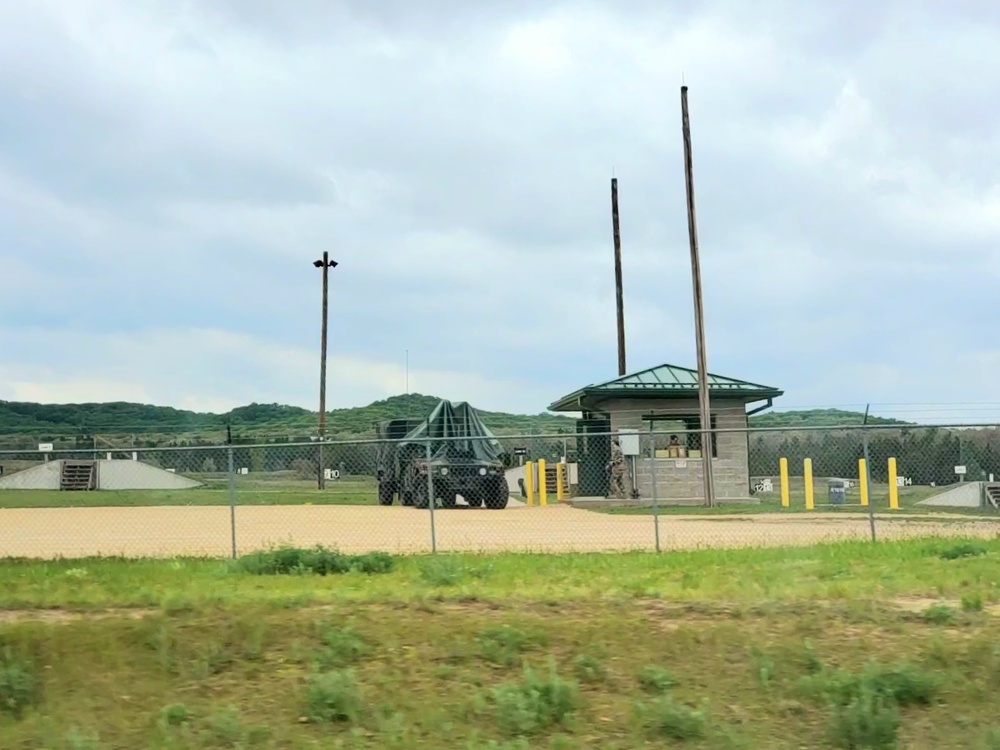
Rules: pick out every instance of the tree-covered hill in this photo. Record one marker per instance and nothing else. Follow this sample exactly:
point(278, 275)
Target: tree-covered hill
point(150, 425)
point(818, 418)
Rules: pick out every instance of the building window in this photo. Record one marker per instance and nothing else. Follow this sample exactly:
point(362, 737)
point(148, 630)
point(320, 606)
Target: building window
point(678, 435)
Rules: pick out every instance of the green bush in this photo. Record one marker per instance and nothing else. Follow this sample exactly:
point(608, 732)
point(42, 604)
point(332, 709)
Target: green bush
point(870, 720)
point(655, 679)
point(332, 697)
point(534, 703)
point(589, 669)
point(341, 646)
point(504, 644)
point(317, 560)
point(18, 687)
point(966, 549)
point(668, 719)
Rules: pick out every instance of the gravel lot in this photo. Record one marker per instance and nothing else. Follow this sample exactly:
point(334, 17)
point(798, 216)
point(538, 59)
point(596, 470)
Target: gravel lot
point(204, 530)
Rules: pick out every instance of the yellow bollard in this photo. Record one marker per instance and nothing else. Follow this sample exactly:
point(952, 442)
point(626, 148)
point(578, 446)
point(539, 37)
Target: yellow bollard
point(807, 473)
point(560, 481)
point(893, 487)
point(863, 480)
point(543, 484)
point(529, 482)
point(783, 467)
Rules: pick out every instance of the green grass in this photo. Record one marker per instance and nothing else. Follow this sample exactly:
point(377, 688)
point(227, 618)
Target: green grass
point(844, 572)
point(349, 491)
point(843, 645)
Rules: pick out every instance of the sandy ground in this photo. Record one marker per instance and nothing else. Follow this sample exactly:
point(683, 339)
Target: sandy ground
point(201, 530)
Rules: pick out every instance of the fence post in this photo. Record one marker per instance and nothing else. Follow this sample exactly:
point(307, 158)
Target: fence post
point(893, 486)
point(807, 475)
point(232, 497)
point(430, 498)
point(529, 482)
point(783, 472)
point(864, 479)
point(543, 483)
point(560, 479)
point(653, 491)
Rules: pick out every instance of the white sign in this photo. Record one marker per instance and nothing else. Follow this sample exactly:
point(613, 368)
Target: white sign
point(960, 470)
point(45, 447)
point(904, 481)
point(765, 485)
point(628, 439)
point(681, 463)
point(244, 470)
point(331, 473)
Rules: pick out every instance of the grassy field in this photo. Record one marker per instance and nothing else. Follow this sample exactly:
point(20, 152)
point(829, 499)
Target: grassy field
point(262, 489)
point(842, 646)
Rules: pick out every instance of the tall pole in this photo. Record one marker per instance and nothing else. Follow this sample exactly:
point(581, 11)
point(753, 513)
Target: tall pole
point(619, 297)
point(326, 264)
point(699, 314)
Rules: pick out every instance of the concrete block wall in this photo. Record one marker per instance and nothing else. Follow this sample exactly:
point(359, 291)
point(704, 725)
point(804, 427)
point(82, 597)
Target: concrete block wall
point(680, 480)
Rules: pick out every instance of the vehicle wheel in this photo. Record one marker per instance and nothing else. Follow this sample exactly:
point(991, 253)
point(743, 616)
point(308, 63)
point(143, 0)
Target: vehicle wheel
point(474, 500)
point(385, 493)
point(497, 493)
point(450, 500)
point(420, 496)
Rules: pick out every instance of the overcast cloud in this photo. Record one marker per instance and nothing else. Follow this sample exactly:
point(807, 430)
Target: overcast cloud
point(169, 171)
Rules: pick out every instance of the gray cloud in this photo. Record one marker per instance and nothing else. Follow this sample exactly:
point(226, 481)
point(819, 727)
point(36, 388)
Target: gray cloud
point(177, 166)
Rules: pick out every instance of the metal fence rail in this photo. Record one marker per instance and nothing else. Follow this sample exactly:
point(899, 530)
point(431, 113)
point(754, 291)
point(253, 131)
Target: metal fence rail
point(561, 492)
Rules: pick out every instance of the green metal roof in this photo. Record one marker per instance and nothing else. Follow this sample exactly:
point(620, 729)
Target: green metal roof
point(665, 381)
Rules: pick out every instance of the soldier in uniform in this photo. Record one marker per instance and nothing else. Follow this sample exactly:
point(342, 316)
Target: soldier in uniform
point(617, 469)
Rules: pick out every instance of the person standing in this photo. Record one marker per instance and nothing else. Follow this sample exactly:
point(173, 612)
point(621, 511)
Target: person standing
point(617, 470)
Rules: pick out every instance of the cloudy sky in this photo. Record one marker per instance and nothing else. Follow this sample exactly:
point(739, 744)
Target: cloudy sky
point(169, 169)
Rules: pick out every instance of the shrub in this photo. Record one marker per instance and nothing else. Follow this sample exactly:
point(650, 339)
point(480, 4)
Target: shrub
point(869, 720)
point(18, 687)
point(441, 571)
point(318, 560)
point(535, 703)
point(972, 603)
point(966, 549)
point(332, 697)
point(342, 646)
point(939, 614)
point(671, 720)
point(175, 715)
point(503, 644)
point(589, 669)
point(229, 730)
point(654, 679)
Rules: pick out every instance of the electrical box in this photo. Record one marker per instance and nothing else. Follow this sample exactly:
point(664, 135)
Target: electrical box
point(628, 439)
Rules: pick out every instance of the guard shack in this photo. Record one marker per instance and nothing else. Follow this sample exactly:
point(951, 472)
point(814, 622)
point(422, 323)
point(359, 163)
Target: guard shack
point(664, 399)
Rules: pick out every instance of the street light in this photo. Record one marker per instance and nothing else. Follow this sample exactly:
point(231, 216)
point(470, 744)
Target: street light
point(326, 264)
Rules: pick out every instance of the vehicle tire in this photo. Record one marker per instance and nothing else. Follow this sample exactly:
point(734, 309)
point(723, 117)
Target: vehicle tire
point(385, 493)
point(474, 499)
point(406, 498)
point(420, 496)
point(450, 500)
point(497, 493)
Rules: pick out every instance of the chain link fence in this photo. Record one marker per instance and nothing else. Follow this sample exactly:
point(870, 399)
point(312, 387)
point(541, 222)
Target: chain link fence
point(583, 492)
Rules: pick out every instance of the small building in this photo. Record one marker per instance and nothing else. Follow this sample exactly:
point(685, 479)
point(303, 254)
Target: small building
point(664, 400)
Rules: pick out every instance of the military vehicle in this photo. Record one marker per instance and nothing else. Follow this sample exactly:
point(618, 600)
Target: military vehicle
point(464, 460)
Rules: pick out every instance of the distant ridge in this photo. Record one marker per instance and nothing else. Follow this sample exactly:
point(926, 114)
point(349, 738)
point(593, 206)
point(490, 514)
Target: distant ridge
point(124, 418)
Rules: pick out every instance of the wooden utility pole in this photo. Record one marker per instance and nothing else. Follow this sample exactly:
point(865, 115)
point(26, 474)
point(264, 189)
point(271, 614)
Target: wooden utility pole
point(619, 295)
point(699, 313)
point(326, 264)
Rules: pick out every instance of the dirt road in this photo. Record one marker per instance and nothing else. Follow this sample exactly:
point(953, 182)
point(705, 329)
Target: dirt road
point(203, 530)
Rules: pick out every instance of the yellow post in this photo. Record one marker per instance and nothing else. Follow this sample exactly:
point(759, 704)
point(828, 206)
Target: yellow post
point(529, 482)
point(863, 480)
point(807, 474)
point(543, 488)
point(560, 481)
point(783, 466)
point(893, 487)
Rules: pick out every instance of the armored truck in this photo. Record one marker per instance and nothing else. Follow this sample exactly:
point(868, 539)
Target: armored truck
point(453, 446)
